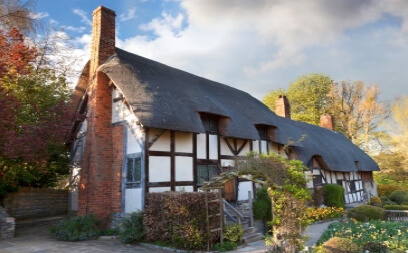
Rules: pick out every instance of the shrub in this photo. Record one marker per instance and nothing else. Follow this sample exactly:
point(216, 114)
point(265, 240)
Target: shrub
point(262, 205)
point(179, 219)
point(325, 213)
point(399, 196)
point(375, 201)
point(387, 189)
point(76, 229)
point(389, 202)
point(340, 245)
point(395, 207)
point(132, 229)
point(233, 233)
point(333, 195)
point(404, 204)
point(384, 198)
point(226, 246)
point(366, 213)
point(110, 231)
point(375, 247)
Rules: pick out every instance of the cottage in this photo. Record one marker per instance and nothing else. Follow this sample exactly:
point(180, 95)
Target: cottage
point(147, 127)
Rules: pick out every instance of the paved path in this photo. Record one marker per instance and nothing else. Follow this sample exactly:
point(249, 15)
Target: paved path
point(37, 240)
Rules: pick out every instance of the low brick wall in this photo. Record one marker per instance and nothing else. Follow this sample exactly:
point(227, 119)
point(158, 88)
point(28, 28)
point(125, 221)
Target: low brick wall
point(36, 203)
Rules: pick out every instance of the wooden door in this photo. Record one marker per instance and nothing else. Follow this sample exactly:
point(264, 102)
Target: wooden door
point(230, 191)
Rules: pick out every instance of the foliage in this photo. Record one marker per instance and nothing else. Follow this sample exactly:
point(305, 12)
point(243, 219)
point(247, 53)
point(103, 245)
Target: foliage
point(399, 196)
point(375, 201)
point(333, 195)
point(32, 102)
point(17, 14)
point(287, 189)
point(76, 229)
point(132, 229)
point(262, 205)
point(396, 207)
point(179, 219)
point(340, 245)
point(392, 234)
point(307, 96)
point(226, 246)
point(111, 231)
point(233, 233)
point(324, 213)
point(387, 189)
point(318, 197)
point(366, 213)
point(375, 247)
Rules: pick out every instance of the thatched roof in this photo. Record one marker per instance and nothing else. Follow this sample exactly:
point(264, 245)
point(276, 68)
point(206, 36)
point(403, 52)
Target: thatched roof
point(168, 98)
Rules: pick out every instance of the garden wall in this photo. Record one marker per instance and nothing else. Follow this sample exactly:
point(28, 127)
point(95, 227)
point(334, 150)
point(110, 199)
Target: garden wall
point(36, 203)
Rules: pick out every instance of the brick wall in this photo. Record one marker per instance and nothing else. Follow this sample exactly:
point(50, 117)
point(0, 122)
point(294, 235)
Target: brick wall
point(34, 203)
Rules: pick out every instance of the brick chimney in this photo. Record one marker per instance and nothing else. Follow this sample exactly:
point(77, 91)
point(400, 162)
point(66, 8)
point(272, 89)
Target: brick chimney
point(282, 107)
point(97, 182)
point(326, 121)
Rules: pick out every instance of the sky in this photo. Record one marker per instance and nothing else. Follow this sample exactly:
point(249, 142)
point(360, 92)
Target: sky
point(254, 45)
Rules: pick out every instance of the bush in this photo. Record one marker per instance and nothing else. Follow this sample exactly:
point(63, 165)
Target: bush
point(395, 207)
point(262, 205)
point(179, 219)
point(132, 229)
point(375, 247)
point(226, 246)
point(76, 229)
point(233, 233)
point(366, 213)
point(384, 198)
point(333, 195)
point(375, 201)
point(399, 196)
point(340, 245)
point(387, 189)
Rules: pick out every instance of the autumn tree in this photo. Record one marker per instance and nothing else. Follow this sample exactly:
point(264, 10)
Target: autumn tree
point(18, 14)
point(307, 96)
point(32, 115)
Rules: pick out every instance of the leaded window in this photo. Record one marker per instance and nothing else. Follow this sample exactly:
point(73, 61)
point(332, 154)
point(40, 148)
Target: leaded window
point(206, 172)
point(210, 122)
point(133, 170)
point(317, 180)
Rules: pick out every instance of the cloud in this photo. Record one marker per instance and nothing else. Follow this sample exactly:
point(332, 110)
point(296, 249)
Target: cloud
point(130, 14)
point(75, 29)
point(38, 15)
point(83, 15)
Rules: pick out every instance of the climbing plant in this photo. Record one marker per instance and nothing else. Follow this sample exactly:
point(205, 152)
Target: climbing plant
point(286, 186)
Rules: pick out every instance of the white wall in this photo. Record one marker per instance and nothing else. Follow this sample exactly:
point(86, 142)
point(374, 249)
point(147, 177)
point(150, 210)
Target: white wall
point(243, 189)
point(159, 169)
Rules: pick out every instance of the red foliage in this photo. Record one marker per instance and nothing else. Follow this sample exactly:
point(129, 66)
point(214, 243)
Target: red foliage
point(15, 56)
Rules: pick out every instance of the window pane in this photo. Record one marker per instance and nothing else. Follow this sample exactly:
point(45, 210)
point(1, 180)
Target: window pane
point(129, 170)
point(202, 174)
point(138, 169)
point(212, 171)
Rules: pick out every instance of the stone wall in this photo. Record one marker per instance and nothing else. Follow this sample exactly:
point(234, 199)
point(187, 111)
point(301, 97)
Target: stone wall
point(7, 225)
point(36, 203)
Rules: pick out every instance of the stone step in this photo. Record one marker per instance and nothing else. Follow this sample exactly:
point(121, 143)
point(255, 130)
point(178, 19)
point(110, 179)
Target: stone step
point(21, 223)
point(249, 230)
point(252, 237)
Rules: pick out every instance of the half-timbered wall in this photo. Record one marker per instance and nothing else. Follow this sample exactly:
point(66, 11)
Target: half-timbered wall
point(350, 181)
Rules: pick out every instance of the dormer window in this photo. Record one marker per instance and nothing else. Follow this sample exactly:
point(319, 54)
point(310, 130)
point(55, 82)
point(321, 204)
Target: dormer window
point(210, 122)
point(263, 132)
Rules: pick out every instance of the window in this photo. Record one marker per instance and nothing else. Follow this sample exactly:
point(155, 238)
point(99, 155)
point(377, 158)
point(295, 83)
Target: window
point(352, 186)
point(318, 180)
point(206, 172)
point(133, 171)
point(210, 122)
point(263, 132)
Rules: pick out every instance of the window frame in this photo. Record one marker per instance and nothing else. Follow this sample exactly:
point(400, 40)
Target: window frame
point(207, 172)
point(134, 183)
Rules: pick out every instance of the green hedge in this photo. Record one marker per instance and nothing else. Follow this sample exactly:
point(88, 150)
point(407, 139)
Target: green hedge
point(366, 213)
point(399, 196)
point(333, 195)
point(396, 207)
point(178, 219)
point(76, 229)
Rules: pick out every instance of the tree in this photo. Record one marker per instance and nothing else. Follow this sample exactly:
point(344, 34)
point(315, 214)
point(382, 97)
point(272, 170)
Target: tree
point(358, 113)
point(32, 115)
point(17, 14)
point(307, 96)
point(393, 161)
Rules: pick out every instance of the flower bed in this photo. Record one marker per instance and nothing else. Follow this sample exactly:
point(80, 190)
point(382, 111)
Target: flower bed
point(324, 213)
point(392, 234)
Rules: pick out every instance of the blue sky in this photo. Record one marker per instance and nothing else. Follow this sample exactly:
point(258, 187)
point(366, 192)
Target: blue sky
point(255, 45)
